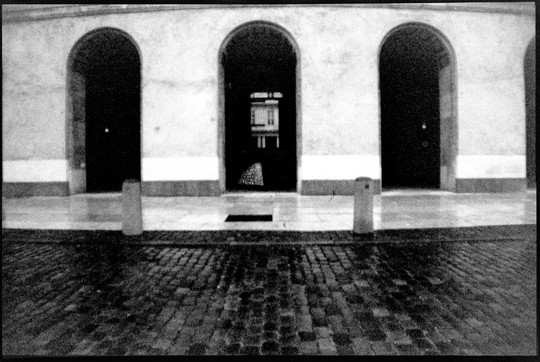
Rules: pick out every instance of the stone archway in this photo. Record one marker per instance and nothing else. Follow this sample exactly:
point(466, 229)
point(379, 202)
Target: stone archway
point(418, 125)
point(103, 109)
point(258, 65)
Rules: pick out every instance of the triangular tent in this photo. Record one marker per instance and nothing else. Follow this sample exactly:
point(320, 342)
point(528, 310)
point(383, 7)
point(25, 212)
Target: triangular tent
point(252, 176)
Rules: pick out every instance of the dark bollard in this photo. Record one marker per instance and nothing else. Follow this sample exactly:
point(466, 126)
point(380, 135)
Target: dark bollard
point(363, 206)
point(131, 208)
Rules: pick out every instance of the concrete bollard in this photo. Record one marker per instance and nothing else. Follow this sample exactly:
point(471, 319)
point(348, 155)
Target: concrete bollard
point(363, 206)
point(131, 208)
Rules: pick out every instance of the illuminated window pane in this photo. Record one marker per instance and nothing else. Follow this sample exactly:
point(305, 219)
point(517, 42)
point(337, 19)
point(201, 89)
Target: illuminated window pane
point(270, 116)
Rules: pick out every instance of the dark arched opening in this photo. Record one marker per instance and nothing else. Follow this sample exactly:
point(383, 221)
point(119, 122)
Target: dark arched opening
point(260, 100)
point(104, 112)
point(417, 113)
point(530, 112)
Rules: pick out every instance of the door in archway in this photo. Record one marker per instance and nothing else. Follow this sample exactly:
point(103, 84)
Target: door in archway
point(530, 110)
point(110, 66)
point(410, 71)
point(259, 65)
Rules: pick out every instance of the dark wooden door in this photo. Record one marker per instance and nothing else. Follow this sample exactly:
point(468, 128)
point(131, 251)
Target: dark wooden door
point(112, 135)
point(410, 126)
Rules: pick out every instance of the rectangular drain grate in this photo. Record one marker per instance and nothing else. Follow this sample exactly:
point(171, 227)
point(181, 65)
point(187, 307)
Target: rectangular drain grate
point(267, 217)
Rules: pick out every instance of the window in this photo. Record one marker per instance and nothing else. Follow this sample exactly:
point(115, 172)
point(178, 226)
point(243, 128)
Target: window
point(271, 117)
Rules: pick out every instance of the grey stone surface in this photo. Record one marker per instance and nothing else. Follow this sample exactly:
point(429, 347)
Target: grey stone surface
point(70, 295)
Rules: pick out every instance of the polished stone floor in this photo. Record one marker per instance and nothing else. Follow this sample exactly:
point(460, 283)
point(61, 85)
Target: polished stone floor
point(290, 211)
point(407, 292)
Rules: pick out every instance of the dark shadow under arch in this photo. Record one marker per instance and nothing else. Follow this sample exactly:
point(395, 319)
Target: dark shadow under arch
point(530, 112)
point(103, 111)
point(418, 115)
point(259, 103)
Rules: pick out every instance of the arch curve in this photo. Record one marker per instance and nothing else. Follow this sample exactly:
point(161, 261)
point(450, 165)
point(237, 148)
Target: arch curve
point(531, 47)
point(103, 81)
point(80, 43)
point(411, 24)
point(259, 23)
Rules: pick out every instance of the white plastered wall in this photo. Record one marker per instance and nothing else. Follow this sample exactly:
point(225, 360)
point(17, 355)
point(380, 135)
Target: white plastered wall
point(339, 89)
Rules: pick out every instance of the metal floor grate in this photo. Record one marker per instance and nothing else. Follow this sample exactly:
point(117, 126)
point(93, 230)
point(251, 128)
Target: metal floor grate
point(266, 217)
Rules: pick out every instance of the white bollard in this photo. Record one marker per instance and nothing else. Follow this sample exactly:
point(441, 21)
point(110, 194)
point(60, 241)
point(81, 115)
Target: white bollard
point(363, 206)
point(131, 208)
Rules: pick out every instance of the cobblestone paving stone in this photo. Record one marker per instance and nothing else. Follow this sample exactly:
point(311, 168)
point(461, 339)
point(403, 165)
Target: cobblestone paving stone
point(198, 238)
point(410, 298)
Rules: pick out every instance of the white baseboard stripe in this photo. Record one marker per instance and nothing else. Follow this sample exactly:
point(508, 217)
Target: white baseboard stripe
point(316, 167)
point(340, 167)
point(35, 171)
point(491, 166)
point(180, 168)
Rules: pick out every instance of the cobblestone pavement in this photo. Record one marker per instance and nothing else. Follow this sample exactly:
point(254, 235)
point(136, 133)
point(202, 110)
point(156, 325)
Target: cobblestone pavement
point(357, 298)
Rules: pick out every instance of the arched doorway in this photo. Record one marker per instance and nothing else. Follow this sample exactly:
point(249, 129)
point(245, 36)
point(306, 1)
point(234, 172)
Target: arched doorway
point(530, 112)
point(416, 68)
point(258, 64)
point(104, 136)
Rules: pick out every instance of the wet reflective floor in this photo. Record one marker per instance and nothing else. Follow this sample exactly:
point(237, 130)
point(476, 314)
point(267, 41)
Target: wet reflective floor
point(359, 298)
point(290, 211)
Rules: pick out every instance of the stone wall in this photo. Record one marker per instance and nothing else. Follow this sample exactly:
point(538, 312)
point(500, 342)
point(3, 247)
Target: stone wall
point(339, 97)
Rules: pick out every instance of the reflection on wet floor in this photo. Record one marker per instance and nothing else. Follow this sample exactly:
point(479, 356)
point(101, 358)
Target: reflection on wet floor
point(290, 211)
point(416, 298)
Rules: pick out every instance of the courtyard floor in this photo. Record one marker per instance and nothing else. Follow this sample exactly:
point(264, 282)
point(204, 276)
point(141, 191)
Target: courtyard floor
point(290, 211)
point(443, 274)
point(459, 291)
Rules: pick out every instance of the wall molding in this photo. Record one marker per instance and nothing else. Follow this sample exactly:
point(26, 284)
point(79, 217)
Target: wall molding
point(28, 189)
point(488, 185)
point(211, 188)
point(181, 188)
point(334, 187)
point(21, 13)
